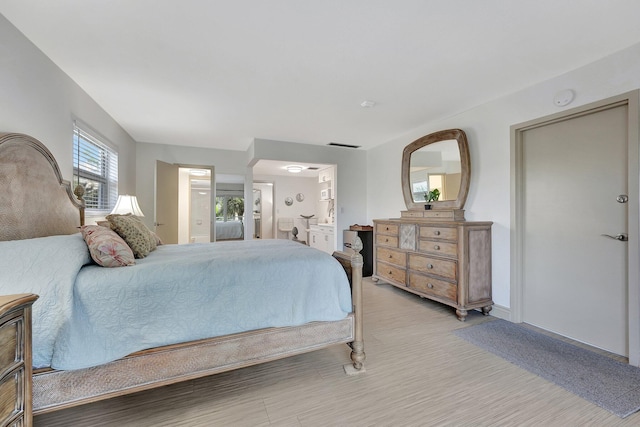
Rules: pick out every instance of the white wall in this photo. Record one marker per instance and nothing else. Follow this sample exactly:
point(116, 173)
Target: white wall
point(351, 166)
point(184, 205)
point(488, 130)
point(224, 162)
point(39, 100)
point(289, 186)
point(266, 202)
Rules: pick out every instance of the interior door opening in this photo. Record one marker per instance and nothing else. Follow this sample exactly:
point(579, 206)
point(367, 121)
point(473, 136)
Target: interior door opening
point(184, 203)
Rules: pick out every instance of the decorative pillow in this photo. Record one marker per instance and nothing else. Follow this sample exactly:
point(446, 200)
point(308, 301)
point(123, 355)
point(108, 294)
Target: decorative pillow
point(134, 232)
point(154, 236)
point(158, 239)
point(153, 239)
point(106, 247)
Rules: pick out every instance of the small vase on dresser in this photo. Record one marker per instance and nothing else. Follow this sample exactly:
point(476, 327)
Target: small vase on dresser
point(436, 253)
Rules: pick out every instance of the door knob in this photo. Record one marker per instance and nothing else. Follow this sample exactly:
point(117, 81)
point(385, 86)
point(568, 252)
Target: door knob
point(623, 198)
point(622, 237)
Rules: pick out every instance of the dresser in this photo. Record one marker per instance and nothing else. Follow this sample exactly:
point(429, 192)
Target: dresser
point(443, 259)
point(15, 360)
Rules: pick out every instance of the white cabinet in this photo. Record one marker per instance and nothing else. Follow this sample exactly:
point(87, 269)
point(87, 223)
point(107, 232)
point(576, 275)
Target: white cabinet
point(325, 180)
point(321, 237)
point(325, 175)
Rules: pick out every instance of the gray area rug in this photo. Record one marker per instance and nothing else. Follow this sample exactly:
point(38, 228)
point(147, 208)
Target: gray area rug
point(608, 383)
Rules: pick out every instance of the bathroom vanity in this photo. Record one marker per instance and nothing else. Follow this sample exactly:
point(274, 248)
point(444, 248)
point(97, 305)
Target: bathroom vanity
point(321, 236)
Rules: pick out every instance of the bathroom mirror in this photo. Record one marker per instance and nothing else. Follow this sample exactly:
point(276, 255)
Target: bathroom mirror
point(438, 161)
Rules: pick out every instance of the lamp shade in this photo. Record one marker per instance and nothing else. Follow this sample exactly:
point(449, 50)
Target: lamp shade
point(127, 205)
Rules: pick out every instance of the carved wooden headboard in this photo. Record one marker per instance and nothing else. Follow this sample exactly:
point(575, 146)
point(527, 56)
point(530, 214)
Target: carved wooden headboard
point(34, 199)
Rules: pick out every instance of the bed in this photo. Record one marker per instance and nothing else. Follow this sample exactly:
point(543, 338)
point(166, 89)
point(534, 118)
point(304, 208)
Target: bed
point(229, 230)
point(163, 319)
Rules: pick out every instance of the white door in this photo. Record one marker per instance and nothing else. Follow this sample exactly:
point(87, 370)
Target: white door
point(574, 278)
point(167, 201)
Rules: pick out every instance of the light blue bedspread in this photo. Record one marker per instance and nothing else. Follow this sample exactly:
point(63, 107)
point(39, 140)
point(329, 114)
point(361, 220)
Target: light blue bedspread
point(180, 293)
point(47, 267)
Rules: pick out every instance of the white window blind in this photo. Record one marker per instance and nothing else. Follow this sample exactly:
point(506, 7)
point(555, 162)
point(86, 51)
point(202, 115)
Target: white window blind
point(95, 167)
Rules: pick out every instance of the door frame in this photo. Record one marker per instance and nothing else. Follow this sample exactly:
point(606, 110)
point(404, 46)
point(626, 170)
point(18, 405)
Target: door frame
point(271, 184)
point(212, 216)
point(631, 99)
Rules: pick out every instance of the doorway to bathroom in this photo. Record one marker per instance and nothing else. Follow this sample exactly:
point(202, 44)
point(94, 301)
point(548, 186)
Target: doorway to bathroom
point(263, 210)
point(176, 187)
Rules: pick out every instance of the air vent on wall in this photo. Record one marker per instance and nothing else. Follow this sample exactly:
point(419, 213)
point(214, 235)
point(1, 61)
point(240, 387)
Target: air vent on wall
point(312, 168)
point(335, 144)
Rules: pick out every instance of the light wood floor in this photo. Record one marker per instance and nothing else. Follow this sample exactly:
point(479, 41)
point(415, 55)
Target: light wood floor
point(418, 374)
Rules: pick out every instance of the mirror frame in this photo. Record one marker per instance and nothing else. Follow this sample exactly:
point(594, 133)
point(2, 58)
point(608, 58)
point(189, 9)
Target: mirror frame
point(465, 169)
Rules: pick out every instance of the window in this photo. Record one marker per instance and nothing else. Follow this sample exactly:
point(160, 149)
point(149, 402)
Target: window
point(95, 167)
point(229, 208)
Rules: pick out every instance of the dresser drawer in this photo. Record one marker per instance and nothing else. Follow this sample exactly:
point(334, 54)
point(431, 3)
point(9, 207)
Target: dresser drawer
point(391, 241)
point(439, 267)
point(10, 395)
point(393, 257)
point(391, 272)
point(445, 233)
point(385, 228)
point(434, 287)
point(9, 342)
point(436, 247)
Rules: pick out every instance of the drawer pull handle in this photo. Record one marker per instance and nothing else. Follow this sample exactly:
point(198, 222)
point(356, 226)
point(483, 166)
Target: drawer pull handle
point(387, 228)
point(386, 240)
point(437, 232)
point(429, 266)
point(436, 247)
point(390, 272)
point(390, 256)
point(429, 285)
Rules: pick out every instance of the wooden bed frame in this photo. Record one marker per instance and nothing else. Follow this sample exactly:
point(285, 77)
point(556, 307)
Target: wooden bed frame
point(36, 202)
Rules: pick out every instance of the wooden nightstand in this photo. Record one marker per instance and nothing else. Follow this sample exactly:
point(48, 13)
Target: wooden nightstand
point(15, 360)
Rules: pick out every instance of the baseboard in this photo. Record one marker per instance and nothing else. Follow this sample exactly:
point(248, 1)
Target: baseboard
point(501, 312)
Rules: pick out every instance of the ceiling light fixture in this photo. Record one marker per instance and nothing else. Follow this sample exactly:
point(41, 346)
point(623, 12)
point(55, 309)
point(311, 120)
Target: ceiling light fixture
point(198, 172)
point(367, 104)
point(294, 168)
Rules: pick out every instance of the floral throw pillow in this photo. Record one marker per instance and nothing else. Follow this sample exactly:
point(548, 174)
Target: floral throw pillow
point(106, 247)
point(134, 232)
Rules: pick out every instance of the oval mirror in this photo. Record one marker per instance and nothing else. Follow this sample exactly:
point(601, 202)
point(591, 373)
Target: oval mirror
point(438, 165)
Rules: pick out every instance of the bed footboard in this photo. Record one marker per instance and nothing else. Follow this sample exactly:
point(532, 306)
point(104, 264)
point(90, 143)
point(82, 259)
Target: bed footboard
point(353, 263)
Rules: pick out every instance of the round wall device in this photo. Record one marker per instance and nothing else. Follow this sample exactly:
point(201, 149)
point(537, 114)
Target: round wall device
point(564, 97)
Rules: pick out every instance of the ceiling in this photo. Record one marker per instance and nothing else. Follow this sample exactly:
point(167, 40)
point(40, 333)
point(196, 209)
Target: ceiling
point(213, 73)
